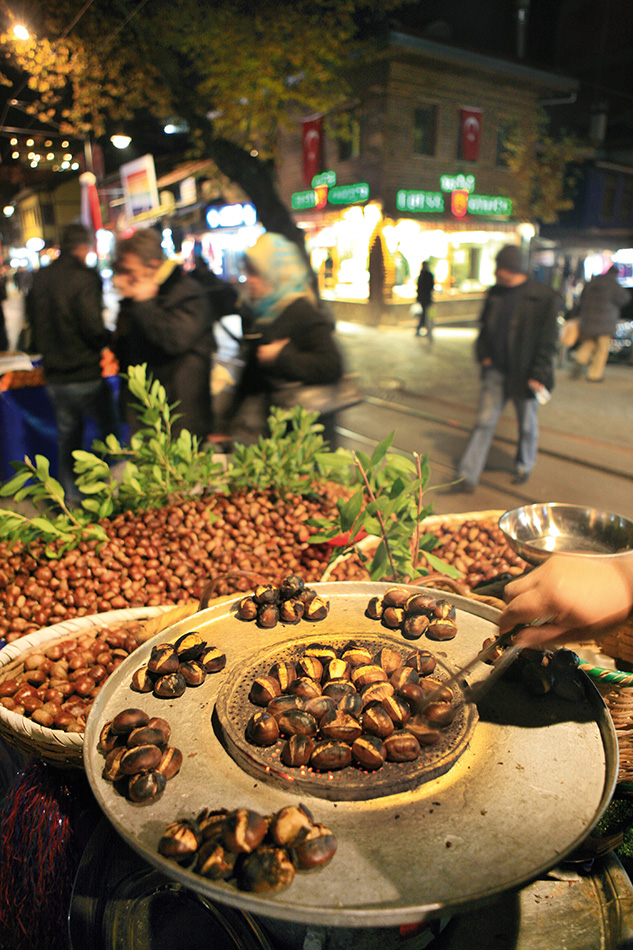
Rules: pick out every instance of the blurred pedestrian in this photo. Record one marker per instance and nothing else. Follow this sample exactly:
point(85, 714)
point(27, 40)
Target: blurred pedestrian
point(164, 321)
point(515, 348)
point(426, 283)
point(4, 340)
point(64, 309)
point(292, 337)
point(598, 310)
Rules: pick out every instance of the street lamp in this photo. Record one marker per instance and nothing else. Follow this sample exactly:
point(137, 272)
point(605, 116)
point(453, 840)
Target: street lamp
point(21, 32)
point(120, 141)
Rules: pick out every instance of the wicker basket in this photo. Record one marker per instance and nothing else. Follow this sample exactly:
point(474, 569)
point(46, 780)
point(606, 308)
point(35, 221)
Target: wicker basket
point(55, 746)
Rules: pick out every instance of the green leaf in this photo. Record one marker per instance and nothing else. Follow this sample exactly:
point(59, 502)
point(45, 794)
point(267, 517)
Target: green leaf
point(15, 483)
point(379, 452)
point(438, 565)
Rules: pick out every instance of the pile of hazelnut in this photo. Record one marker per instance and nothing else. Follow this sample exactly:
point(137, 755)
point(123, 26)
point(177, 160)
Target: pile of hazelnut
point(172, 667)
point(260, 854)
point(414, 614)
point(139, 759)
point(332, 710)
point(288, 603)
point(59, 683)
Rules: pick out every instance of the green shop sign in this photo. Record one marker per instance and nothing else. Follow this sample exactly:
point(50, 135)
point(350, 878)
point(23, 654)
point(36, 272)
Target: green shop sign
point(301, 200)
point(420, 201)
point(348, 194)
point(325, 178)
point(457, 182)
point(487, 205)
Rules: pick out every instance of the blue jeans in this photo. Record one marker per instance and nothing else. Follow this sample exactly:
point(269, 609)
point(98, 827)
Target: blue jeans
point(72, 402)
point(492, 399)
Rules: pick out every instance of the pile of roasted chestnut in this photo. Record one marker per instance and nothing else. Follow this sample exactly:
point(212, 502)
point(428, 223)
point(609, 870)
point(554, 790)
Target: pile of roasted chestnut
point(414, 614)
point(290, 602)
point(59, 682)
point(138, 757)
point(545, 671)
point(332, 709)
point(260, 854)
point(172, 667)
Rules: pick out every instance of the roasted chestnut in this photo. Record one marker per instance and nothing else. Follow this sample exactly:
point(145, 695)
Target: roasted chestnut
point(291, 611)
point(422, 662)
point(337, 670)
point(266, 594)
point(415, 626)
point(170, 686)
point(369, 752)
point(401, 746)
point(145, 735)
point(330, 756)
point(396, 596)
point(291, 586)
point(158, 723)
point(267, 869)
point(377, 722)
point(247, 609)
point(163, 659)
point(145, 786)
point(388, 660)
point(321, 652)
point(376, 692)
point(296, 722)
point(404, 674)
point(297, 751)
point(282, 703)
point(193, 672)
point(352, 704)
point(212, 659)
point(337, 689)
point(108, 738)
point(340, 726)
point(317, 608)
point(420, 605)
point(267, 616)
point(439, 714)
point(423, 731)
point(441, 629)
point(170, 762)
point(311, 667)
point(124, 722)
point(211, 822)
point(445, 610)
point(142, 680)
point(375, 608)
point(397, 710)
point(393, 617)
point(318, 706)
point(189, 646)
point(243, 830)
point(316, 849)
point(305, 687)
point(215, 861)
point(112, 769)
point(356, 656)
point(262, 728)
point(141, 758)
point(180, 840)
point(364, 675)
point(263, 689)
point(291, 824)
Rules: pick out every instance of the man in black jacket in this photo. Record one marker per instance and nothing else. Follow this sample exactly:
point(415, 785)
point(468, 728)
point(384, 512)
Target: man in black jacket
point(65, 310)
point(165, 321)
point(515, 349)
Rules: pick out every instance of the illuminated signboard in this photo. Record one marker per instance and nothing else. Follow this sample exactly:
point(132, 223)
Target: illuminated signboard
point(325, 178)
point(487, 205)
point(321, 194)
point(301, 200)
point(457, 182)
point(231, 216)
point(348, 194)
point(420, 201)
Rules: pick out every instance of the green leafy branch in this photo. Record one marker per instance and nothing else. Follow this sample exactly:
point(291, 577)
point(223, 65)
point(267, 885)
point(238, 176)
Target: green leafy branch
point(59, 527)
point(388, 503)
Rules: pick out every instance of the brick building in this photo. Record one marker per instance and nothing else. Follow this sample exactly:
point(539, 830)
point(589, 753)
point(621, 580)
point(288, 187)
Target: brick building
point(419, 176)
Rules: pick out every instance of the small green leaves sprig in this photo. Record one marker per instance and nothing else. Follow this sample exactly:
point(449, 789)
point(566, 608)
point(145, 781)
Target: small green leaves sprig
point(388, 503)
point(292, 459)
point(60, 527)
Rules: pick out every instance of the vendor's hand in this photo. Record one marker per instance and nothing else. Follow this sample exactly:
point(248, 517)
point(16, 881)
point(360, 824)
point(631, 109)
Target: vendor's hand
point(486, 362)
point(108, 362)
point(585, 596)
point(535, 386)
point(268, 352)
point(141, 290)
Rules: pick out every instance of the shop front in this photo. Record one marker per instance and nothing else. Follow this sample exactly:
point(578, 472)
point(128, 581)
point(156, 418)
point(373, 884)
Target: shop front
point(357, 241)
point(221, 238)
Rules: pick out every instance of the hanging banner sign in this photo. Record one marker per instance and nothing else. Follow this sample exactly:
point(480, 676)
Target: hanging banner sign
point(469, 134)
point(487, 205)
point(312, 140)
point(325, 178)
point(455, 182)
point(139, 186)
point(321, 195)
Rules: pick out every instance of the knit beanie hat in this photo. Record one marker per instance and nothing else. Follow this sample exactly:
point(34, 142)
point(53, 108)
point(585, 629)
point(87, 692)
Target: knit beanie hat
point(510, 258)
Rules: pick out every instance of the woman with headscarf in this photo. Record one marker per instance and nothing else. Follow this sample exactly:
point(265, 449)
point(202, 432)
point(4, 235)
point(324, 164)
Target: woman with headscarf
point(291, 340)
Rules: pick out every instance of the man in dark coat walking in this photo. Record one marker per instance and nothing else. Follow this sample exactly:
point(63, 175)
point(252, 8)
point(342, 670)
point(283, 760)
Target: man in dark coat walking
point(426, 283)
point(599, 309)
point(165, 321)
point(515, 349)
point(64, 308)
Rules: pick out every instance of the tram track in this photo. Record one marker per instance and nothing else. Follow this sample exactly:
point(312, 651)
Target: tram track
point(544, 450)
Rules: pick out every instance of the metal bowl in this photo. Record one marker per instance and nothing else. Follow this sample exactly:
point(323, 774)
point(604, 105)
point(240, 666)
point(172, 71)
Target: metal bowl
point(536, 531)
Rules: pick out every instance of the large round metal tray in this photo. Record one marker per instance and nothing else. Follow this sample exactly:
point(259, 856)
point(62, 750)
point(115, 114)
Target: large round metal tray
point(535, 778)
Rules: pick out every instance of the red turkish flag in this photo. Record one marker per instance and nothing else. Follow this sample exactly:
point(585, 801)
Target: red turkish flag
point(312, 139)
point(469, 134)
